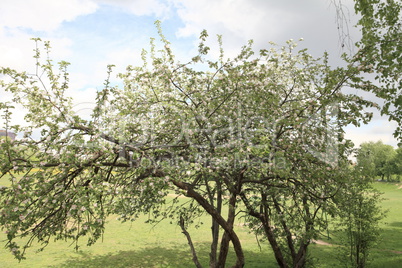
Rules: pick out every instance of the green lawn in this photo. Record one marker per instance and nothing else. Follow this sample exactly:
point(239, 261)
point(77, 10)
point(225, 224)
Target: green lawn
point(388, 253)
point(138, 244)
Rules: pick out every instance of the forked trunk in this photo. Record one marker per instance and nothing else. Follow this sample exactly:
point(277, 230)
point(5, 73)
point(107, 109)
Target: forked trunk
point(225, 238)
point(213, 262)
point(219, 219)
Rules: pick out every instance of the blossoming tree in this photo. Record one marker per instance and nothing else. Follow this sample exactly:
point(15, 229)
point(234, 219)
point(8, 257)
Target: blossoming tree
point(261, 133)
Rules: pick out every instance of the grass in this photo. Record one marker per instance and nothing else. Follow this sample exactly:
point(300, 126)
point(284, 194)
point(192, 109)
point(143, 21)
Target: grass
point(388, 252)
point(137, 244)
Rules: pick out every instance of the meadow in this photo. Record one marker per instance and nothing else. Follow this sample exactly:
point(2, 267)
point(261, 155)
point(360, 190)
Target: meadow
point(138, 244)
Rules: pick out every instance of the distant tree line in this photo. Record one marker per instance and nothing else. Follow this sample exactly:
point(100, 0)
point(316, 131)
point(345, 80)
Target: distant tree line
point(377, 159)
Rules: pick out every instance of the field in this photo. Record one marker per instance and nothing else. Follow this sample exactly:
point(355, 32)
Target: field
point(137, 244)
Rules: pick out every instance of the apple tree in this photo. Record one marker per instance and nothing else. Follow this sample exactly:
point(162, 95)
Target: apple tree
point(261, 134)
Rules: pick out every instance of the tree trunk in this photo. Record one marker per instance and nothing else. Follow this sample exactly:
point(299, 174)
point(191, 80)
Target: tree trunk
point(300, 260)
point(286, 229)
point(219, 219)
point(274, 244)
point(225, 238)
point(214, 244)
point(215, 226)
point(190, 243)
point(264, 219)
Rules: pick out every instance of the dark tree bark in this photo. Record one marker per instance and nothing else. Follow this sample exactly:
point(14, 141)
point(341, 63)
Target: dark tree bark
point(219, 219)
point(225, 238)
point(263, 217)
point(190, 243)
point(215, 225)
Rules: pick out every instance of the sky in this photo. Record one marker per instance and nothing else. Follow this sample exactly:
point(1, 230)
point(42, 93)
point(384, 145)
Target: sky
point(90, 34)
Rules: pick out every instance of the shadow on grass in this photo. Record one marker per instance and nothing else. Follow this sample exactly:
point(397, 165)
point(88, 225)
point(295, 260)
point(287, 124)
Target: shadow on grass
point(150, 257)
point(385, 258)
point(171, 256)
point(395, 224)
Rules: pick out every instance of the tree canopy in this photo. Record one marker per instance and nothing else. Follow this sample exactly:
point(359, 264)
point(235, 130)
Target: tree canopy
point(380, 48)
point(379, 159)
point(261, 133)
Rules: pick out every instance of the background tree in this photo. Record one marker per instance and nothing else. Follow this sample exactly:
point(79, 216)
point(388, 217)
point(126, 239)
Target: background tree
point(377, 159)
point(358, 224)
point(397, 163)
point(380, 23)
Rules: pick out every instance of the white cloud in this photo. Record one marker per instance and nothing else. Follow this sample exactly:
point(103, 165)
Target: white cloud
point(42, 15)
point(17, 50)
point(84, 101)
point(226, 15)
point(237, 22)
point(374, 131)
point(264, 21)
point(21, 20)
